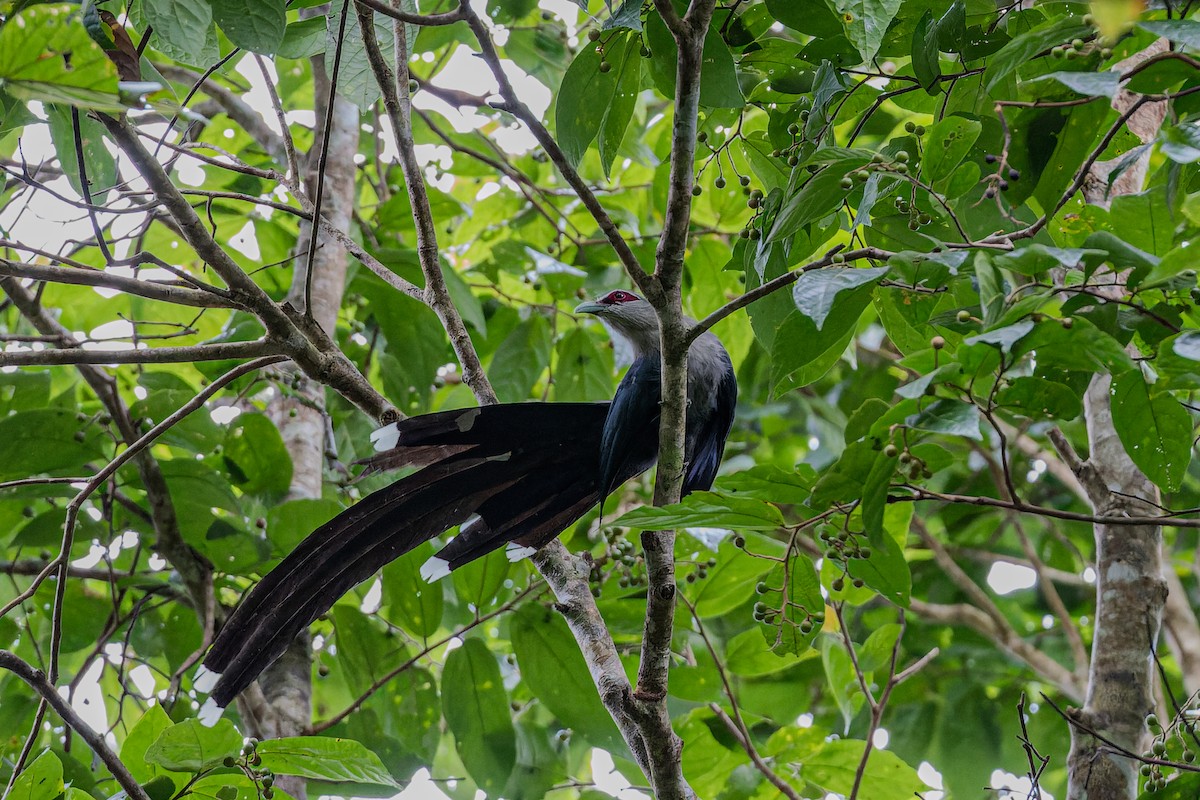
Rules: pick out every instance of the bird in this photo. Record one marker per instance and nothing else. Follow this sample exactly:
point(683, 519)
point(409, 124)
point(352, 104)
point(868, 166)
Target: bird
point(511, 475)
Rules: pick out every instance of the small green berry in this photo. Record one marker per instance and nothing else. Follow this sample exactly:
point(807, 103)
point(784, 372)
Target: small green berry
point(910, 127)
point(920, 130)
point(902, 169)
point(793, 160)
point(761, 587)
point(902, 156)
point(924, 219)
point(891, 451)
point(1077, 44)
point(644, 52)
point(744, 180)
point(229, 761)
point(846, 183)
point(837, 584)
point(697, 190)
point(793, 129)
point(838, 258)
point(605, 66)
point(702, 136)
point(719, 183)
point(963, 316)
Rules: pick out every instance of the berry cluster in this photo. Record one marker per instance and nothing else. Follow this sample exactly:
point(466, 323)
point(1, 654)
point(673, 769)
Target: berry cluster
point(249, 762)
point(1177, 742)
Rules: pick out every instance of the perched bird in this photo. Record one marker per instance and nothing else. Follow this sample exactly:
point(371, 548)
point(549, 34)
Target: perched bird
point(513, 475)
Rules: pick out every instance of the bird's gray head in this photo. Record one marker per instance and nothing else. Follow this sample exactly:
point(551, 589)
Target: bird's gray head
point(628, 315)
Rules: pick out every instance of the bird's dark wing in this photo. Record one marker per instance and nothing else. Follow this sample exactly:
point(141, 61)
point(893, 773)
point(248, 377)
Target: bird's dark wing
point(629, 445)
point(524, 468)
point(709, 427)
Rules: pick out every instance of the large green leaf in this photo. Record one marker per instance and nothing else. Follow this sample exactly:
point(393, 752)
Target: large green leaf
point(719, 87)
point(257, 459)
point(705, 509)
point(835, 766)
point(258, 25)
point(820, 195)
point(554, 670)
point(477, 713)
point(47, 55)
point(191, 746)
point(414, 603)
point(598, 101)
point(183, 29)
point(947, 144)
point(816, 290)
point(323, 758)
point(1154, 427)
point(45, 440)
point(41, 780)
point(866, 22)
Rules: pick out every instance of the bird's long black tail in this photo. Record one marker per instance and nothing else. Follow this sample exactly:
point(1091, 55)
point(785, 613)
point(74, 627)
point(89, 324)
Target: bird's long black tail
point(513, 474)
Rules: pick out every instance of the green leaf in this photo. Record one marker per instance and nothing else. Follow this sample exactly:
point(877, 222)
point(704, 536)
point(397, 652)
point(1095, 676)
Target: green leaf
point(414, 603)
point(290, 523)
point(100, 164)
point(953, 417)
point(1038, 398)
point(41, 780)
point(1101, 84)
point(183, 29)
point(731, 582)
point(303, 39)
point(1004, 337)
point(582, 372)
point(47, 55)
point(477, 714)
point(44, 440)
point(143, 734)
point(479, 583)
point(554, 670)
point(886, 777)
point(618, 109)
point(816, 290)
point(801, 354)
point(1181, 31)
point(925, 53)
point(771, 483)
point(946, 145)
point(1023, 48)
point(190, 746)
point(719, 87)
point(324, 758)
point(629, 15)
point(705, 510)
point(257, 458)
point(820, 195)
point(794, 591)
point(257, 26)
point(1155, 429)
point(866, 22)
point(520, 360)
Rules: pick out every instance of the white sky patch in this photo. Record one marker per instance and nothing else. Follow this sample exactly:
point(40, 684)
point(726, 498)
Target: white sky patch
point(117, 329)
point(1005, 578)
point(143, 680)
point(609, 781)
point(373, 599)
point(421, 787)
point(1014, 787)
point(87, 700)
point(245, 242)
point(223, 415)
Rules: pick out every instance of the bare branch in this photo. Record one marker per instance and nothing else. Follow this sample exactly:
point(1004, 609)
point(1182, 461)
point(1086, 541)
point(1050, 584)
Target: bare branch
point(36, 680)
point(153, 290)
point(149, 355)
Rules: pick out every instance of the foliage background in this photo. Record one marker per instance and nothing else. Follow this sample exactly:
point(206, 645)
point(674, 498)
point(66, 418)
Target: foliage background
point(1017, 231)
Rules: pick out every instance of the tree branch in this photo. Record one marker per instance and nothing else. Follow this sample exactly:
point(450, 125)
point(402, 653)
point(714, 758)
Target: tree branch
point(149, 355)
point(36, 680)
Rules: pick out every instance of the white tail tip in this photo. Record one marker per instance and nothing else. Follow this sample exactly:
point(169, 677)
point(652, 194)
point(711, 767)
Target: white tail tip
point(205, 680)
point(515, 552)
point(385, 438)
point(210, 712)
point(435, 569)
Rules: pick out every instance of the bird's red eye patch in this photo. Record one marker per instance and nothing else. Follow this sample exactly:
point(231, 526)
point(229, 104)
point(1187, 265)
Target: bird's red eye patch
point(618, 297)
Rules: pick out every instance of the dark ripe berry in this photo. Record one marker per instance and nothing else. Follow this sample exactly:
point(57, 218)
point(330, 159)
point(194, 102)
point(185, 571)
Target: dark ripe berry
point(1003, 186)
point(1067, 322)
point(891, 451)
point(753, 202)
point(864, 552)
point(804, 115)
point(1014, 175)
point(793, 160)
point(924, 219)
point(990, 158)
point(229, 761)
point(837, 584)
point(755, 234)
point(775, 154)
point(756, 193)
point(645, 51)
point(910, 126)
point(268, 793)
point(605, 66)
point(847, 183)
point(702, 136)
point(858, 583)
point(745, 191)
point(719, 183)
point(712, 562)
point(744, 233)
point(744, 180)
point(593, 35)
point(323, 670)
point(697, 191)
point(739, 542)
point(905, 457)
point(989, 193)
point(413, 86)
point(913, 225)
